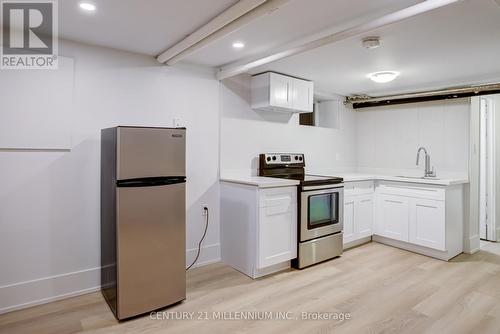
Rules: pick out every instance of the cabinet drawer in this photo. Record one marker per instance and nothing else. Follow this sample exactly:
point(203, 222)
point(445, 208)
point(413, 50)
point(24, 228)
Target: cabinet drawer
point(410, 190)
point(358, 188)
point(277, 197)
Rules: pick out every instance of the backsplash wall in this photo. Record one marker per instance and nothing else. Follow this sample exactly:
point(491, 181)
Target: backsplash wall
point(245, 133)
point(388, 137)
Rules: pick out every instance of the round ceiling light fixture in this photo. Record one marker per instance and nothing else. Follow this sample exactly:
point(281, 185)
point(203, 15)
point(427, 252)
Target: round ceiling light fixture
point(383, 76)
point(238, 45)
point(87, 6)
point(371, 42)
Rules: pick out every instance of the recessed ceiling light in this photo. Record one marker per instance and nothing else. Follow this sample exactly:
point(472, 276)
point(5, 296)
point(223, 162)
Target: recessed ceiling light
point(238, 45)
point(383, 76)
point(90, 7)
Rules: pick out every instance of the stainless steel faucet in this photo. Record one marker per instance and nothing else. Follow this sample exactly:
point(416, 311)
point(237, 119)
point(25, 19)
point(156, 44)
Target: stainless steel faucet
point(428, 171)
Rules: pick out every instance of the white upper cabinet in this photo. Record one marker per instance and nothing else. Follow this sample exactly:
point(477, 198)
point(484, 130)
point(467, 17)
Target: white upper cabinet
point(277, 92)
point(302, 95)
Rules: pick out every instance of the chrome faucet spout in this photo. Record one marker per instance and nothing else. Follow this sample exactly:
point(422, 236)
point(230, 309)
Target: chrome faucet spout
point(418, 153)
point(428, 171)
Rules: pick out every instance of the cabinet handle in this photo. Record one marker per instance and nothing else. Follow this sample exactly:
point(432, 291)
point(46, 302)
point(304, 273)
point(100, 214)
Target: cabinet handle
point(391, 201)
point(427, 206)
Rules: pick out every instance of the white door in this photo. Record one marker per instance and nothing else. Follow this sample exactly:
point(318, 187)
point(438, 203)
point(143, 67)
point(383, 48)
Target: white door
point(349, 214)
point(302, 95)
point(392, 216)
point(364, 216)
point(280, 91)
point(427, 223)
point(277, 234)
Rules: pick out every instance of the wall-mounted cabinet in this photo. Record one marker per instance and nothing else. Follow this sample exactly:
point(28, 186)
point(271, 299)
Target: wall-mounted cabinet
point(281, 93)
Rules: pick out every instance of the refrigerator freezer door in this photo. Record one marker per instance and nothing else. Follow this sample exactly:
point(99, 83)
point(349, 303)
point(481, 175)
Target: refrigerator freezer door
point(151, 237)
point(150, 152)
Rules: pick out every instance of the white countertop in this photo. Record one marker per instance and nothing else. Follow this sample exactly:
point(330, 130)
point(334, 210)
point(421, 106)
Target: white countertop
point(246, 177)
point(259, 181)
point(445, 181)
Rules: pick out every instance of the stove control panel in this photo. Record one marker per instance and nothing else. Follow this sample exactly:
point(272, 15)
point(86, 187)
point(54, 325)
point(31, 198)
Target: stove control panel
point(271, 159)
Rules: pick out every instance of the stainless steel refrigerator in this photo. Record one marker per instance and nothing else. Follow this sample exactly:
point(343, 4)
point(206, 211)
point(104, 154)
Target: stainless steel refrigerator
point(143, 233)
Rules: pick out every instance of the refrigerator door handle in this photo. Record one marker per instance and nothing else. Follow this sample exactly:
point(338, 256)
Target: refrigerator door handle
point(150, 181)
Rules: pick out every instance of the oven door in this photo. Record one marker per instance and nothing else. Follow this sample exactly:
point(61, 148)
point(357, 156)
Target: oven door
point(321, 212)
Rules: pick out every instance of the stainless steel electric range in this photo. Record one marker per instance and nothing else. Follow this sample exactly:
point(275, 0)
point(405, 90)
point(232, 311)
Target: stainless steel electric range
point(320, 207)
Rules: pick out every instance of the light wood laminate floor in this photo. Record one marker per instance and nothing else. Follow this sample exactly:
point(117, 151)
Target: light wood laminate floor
point(384, 289)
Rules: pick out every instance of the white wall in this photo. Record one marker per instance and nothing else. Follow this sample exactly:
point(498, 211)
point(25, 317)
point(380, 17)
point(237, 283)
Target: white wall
point(388, 137)
point(49, 200)
point(245, 133)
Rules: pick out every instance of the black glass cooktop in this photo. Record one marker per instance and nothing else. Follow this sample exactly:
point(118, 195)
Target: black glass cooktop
point(309, 179)
point(320, 179)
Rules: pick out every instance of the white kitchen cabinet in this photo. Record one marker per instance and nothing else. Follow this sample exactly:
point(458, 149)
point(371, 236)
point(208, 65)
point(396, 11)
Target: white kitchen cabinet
point(358, 211)
point(302, 95)
point(364, 216)
point(277, 92)
point(258, 228)
point(349, 213)
point(427, 223)
point(277, 233)
point(392, 216)
point(424, 218)
point(280, 91)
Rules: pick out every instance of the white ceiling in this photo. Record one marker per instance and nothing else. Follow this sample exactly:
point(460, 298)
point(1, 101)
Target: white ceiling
point(454, 45)
point(142, 26)
point(458, 44)
point(296, 20)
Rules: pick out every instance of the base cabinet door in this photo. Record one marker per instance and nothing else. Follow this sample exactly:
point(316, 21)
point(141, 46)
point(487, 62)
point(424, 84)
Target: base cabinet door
point(392, 216)
point(277, 227)
point(364, 216)
point(349, 214)
point(427, 223)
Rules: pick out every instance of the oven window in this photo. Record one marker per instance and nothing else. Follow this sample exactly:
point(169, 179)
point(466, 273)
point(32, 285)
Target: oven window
point(322, 210)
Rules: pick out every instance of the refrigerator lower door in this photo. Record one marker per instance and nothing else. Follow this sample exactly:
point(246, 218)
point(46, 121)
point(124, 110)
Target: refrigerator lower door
point(151, 250)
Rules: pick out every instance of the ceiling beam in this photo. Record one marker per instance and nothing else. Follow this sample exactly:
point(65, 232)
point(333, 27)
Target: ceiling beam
point(229, 21)
point(420, 8)
point(232, 13)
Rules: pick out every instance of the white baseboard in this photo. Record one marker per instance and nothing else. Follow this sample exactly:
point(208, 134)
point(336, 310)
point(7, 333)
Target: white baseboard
point(356, 243)
point(47, 289)
point(25, 294)
point(471, 245)
point(445, 256)
point(208, 254)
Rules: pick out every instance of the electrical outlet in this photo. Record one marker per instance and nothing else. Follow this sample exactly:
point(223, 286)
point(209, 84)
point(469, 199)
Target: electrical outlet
point(203, 211)
point(177, 122)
